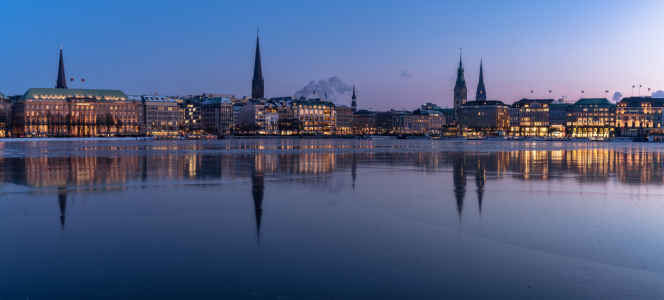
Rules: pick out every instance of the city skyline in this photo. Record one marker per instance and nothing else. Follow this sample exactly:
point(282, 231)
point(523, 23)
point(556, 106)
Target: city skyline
point(419, 67)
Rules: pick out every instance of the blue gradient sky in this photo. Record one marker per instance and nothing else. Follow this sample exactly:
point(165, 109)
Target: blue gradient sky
point(193, 47)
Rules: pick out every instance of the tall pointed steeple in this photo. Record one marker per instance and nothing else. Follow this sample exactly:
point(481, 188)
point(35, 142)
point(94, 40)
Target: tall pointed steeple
point(481, 92)
point(460, 89)
point(353, 104)
point(257, 84)
point(62, 80)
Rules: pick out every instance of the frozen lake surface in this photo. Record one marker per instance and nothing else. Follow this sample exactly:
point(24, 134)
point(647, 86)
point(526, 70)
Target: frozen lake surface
point(323, 219)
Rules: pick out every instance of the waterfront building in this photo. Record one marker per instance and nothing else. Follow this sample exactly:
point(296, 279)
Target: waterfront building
point(480, 95)
point(42, 112)
point(639, 115)
point(460, 91)
point(161, 115)
point(252, 117)
point(316, 116)
point(353, 104)
point(530, 117)
point(344, 119)
point(487, 118)
point(5, 116)
point(418, 122)
point(192, 121)
point(447, 112)
point(271, 119)
point(365, 122)
point(557, 115)
point(257, 83)
point(237, 113)
point(289, 122)
point(384, 121)
point(436, 121)
point(410, 123)
point(217, 115)
point(591, 117)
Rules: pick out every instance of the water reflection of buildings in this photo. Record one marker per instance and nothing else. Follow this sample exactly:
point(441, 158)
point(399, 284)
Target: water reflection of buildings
point(258, 190)
point(632, 166)
point(62, 200)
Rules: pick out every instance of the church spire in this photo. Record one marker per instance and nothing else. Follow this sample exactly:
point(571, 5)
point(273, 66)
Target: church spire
point(257, 84)
point(481, 92)
point(353, 104)
point(62, 80)
point(460, 89)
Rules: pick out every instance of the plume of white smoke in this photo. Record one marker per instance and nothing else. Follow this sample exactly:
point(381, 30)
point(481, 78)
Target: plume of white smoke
point(658, 94)
point(332, 86)
point(617, 96)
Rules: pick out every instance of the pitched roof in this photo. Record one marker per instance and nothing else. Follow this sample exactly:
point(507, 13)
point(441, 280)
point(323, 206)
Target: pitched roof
point(529, 102)
point(2, 95)
point(217, 100)
point(52, 93)
point(594, 101)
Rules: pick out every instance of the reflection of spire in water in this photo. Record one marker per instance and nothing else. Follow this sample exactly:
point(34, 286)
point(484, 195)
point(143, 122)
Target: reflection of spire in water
point(480, 179)
point(62, 200)
point(353, 170)
point(257, 190)
point(459, 179)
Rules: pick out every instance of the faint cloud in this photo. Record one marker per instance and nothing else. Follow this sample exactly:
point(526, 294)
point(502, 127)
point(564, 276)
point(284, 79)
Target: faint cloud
point(658, 94)
point(328, 87)
point(617, 96)
point(404, 74)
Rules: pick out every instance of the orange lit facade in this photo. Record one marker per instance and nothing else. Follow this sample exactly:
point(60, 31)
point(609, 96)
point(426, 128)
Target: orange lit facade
point(47, 112)
point(591, 117)
point(639, 116)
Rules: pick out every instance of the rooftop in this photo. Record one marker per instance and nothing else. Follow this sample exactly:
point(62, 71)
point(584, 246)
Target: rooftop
point(594, 101)
point(151, 98)
point(639, 101)
point(484, 102)
point(216, 100)
point(532, 102)
point(53, 93)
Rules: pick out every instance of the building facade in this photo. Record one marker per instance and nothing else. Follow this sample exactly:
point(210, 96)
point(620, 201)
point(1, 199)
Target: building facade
point(252, 117)
point(44, 112)
point(217, 116)
point(344, 119)
point(271, 119)
point(530, 117)
point(365, 122)
point(637, 116)
point(410, 123)
point(557, 115)
point(5, 116)
point(192, 119)
point(316, 116)
point(488, 118)
point(158, 115)
point(591, 117)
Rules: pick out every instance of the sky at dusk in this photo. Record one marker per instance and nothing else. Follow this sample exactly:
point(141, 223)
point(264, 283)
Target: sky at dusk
point(400, 54)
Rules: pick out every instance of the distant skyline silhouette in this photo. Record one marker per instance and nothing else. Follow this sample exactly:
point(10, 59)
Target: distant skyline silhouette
point(399, 55)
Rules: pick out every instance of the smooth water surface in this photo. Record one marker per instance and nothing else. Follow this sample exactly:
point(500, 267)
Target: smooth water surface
point(324, 219)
